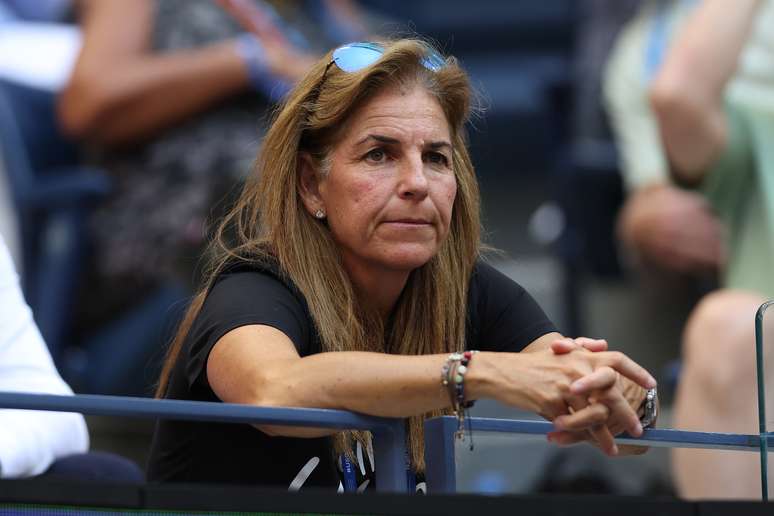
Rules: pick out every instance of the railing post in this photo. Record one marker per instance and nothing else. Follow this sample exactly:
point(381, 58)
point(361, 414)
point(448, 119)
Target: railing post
point(440, 459)
point(761, 381)
point(390, 458)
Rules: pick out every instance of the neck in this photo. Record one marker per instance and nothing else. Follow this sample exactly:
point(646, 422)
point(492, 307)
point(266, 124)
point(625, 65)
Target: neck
point(379, 287)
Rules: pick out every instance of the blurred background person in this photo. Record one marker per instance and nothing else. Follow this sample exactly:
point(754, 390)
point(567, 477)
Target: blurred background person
point(691, 88)
point(167, 97)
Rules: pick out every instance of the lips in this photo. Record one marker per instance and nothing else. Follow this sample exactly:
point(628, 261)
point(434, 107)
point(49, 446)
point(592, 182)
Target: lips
point(410, 221)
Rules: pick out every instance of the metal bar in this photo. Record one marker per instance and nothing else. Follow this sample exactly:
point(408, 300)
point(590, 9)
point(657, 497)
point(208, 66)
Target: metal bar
point(191, 410)
point(390, 454)
point(440, 459)
point(389, 434)
point(761, 381)
point(439, 443)
point(656, 437)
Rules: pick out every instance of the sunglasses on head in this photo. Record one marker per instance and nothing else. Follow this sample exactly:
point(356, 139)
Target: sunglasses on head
point(353, 57)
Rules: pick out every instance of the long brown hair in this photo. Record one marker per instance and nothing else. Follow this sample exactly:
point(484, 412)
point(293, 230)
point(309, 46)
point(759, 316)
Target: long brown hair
point(269, 222)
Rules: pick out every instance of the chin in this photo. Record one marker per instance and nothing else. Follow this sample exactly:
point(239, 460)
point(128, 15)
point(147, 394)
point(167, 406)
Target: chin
point(408, 259)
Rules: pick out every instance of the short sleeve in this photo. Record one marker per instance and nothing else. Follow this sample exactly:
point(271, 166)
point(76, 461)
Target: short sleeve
point(502, 315)
point(726, 184)
point(242, 299)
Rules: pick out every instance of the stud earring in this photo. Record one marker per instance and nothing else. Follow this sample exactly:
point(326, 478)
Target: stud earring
point(319, 214)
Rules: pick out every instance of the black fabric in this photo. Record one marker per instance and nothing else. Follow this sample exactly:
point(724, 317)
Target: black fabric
point(502, 316)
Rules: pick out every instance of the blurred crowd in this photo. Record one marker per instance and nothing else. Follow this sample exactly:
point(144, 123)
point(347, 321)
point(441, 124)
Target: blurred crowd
point(127, 126)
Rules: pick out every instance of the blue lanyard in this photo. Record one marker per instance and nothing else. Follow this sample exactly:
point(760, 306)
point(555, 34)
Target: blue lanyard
point(350, 476)
point(350, 479)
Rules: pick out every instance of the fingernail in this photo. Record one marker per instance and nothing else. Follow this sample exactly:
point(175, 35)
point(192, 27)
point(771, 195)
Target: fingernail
point(639, 429)
point(615, 449)
point(577, 386)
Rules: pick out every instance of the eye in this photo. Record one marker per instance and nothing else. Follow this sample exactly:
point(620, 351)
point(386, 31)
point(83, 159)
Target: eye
point(437, 158)
point(377, 155)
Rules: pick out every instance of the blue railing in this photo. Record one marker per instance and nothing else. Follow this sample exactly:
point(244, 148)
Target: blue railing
point(389, 434)
point(440, 458)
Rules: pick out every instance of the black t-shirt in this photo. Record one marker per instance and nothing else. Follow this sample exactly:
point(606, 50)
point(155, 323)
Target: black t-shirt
point(502, 316)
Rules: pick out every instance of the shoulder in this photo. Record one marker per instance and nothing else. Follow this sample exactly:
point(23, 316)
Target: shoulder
point(501, 314)
point(265, 276)
point(256, 293)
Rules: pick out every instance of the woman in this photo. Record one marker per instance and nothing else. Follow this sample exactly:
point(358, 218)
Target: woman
point(351, 273)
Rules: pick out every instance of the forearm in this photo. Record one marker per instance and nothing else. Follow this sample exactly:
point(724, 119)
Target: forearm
point(371, 383)
point(137, 96)
point(706, 52)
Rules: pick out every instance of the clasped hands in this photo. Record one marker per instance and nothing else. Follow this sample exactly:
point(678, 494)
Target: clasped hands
point(604, 402)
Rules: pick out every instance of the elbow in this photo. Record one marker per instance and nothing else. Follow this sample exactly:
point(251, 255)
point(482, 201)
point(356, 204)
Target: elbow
point(81, 106)
point(674, 106)
point(691, 128)
point(264, 390)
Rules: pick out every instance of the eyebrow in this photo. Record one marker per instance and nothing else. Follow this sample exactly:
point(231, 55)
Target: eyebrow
point(393, 141)
point(440, 145)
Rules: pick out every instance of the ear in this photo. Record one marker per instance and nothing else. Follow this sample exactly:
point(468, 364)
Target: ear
point(309, 184)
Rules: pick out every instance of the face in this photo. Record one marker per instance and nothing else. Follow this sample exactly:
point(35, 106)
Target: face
point(389, 193)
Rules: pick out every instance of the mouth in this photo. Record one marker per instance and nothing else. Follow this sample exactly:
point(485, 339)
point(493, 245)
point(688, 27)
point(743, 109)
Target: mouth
point(410, 221)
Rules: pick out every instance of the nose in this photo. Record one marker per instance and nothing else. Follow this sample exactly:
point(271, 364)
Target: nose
point(412, 184)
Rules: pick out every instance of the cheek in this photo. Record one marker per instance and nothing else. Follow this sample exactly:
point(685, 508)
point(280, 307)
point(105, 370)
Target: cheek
point(448, 195)
point(357, 204)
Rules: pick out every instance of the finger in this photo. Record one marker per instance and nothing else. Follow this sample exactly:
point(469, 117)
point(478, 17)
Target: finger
point(587, 418)
point(553, 407)
point(622, 415)
point(627, 367)
point(630, 449)
point(595, 415)
point(564, 438)
point(592, 344)
point(564, 346)
point(601, 379)
point(569, 438)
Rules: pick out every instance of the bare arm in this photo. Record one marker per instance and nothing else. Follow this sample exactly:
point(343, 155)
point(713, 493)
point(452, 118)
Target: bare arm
point(273, 374)
point(687, 94)
point(120, 92)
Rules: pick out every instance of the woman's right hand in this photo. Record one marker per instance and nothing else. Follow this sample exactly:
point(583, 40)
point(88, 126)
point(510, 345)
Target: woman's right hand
point(545, 382)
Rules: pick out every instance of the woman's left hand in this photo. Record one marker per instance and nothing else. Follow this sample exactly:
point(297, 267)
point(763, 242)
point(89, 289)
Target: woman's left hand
point(603, 396)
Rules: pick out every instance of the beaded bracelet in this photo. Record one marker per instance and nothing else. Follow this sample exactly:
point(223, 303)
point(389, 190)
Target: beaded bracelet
point(453, 378)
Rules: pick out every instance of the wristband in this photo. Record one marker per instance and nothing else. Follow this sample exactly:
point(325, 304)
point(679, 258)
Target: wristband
point(453, 378)
point(261, 78)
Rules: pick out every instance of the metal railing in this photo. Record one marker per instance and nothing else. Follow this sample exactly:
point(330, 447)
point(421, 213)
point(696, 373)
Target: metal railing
point(440, 458)
point(389, 434)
